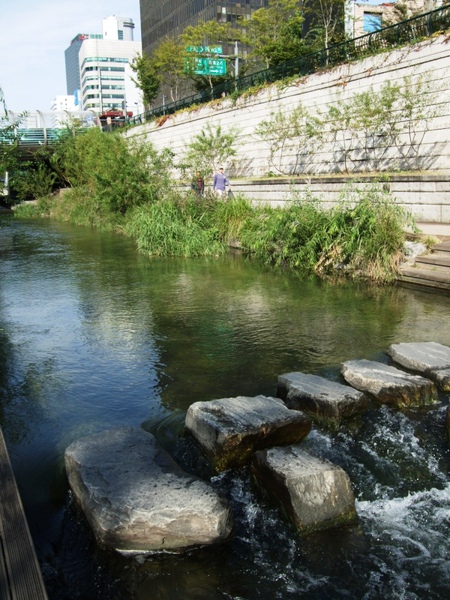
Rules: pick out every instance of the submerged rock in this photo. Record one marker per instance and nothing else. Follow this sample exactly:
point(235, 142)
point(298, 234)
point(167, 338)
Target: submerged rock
point(136, 498)
point(229, 430)
point(389, 385)
point(429, 358)
point(315, 494)
point(320, 397)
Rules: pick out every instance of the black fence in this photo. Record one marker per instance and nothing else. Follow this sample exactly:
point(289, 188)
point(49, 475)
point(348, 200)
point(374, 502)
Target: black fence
point(405, 32)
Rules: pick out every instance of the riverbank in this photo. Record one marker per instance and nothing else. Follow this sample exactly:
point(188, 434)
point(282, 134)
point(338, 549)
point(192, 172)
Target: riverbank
point(95, 336)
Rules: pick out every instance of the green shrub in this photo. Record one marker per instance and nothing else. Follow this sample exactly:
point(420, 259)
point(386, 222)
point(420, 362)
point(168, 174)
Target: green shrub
point(171, 228)
point(363, 234)
point(230, 217)
point(116, 173)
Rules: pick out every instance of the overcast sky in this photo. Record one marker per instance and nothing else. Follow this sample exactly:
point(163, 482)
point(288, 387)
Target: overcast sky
point(33, 37)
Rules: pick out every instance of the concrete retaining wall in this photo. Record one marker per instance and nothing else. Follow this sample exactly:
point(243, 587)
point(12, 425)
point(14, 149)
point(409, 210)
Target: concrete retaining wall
point(427, 196)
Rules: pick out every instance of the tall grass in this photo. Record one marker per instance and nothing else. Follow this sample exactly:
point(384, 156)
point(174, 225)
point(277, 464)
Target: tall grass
point(123, 186)
point(362, 235)
point(171, 228)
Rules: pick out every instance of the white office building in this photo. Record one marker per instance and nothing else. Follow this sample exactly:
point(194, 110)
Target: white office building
point(98, 71)
point(64, 103)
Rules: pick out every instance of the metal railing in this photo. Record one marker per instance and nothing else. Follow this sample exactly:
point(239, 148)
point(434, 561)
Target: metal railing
point(405, 32)
point(37, 128)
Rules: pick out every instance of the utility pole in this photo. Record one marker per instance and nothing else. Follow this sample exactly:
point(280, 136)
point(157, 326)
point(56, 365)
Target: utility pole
point(236, 60)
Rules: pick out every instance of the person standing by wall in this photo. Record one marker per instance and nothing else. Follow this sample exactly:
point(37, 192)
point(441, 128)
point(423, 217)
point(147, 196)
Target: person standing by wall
point(198, 184)
point(220, 182)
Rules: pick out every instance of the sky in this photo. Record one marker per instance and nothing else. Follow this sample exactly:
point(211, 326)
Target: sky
point(34, 35)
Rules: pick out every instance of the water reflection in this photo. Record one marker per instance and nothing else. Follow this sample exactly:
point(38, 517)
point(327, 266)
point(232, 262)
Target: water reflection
point(94, 335)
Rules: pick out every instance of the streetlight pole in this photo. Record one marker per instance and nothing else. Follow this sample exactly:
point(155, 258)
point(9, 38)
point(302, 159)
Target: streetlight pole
point(236, 60)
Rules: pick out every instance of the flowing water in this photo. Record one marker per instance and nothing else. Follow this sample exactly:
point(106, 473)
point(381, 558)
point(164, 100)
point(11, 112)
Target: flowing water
point(94, 335)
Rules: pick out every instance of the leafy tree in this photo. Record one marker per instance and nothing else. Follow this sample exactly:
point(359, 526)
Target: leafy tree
point(326, 21)
point(417, 108)
point(376, 123)
point(168, 60)
point(275, 33)
point(148, 79)
point(210, 148)
point(401, 11)
point(365, 125)
point(111, 172)
point(10, 159)
point(36, 180)
point(208, 33)
point(293, 139)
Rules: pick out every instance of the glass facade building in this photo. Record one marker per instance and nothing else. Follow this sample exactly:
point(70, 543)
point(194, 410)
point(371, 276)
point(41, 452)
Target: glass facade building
point(161, 18)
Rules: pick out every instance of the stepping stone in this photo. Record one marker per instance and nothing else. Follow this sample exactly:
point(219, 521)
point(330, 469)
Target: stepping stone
point(230, 430)
point(315, 494)
point(320, 397)
point(137, 499)
point(430, 358)
point(389, 385)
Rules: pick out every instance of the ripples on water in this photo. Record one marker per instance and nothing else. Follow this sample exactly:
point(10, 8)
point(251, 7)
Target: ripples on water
point(93, 335)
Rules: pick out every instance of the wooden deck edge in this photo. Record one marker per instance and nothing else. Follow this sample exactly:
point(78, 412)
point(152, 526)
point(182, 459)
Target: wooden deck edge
point(423, 284)
point(20, 574)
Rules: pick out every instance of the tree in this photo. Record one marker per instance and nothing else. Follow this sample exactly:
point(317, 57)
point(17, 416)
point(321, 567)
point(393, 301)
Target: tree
point(276, 33)
point(148, 80)
point(209, 33)
point(401, 11)
point(10, 159)
point(293, 139)
point(326, 19)
point(168, 60)
point(210, 148)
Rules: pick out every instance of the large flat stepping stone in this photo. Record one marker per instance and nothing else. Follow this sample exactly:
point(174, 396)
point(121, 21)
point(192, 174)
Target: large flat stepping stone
point(136, 498)
point(320, 397)
point(230, 430)
point(314, 493)
point(430, 358)
point(389, 385)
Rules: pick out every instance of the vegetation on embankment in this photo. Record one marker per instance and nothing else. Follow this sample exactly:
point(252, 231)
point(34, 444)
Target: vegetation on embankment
point(125, 186)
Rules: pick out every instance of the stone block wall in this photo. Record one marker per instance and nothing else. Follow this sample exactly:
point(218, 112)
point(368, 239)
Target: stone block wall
point(427, 198)
point(430, 59)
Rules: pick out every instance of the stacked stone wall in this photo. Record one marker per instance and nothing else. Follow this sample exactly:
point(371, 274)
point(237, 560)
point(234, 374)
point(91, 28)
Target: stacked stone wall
point(430, 60)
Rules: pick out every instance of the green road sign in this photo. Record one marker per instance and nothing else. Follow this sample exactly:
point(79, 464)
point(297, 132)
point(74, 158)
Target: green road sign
point(205, 49)
point(206, 66)
point(210, 66)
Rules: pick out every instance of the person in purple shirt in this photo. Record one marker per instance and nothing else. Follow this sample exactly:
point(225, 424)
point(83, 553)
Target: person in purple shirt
point(220, 182)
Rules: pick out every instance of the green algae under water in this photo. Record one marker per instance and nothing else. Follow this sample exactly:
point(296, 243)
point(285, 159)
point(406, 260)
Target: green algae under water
point(94, 335)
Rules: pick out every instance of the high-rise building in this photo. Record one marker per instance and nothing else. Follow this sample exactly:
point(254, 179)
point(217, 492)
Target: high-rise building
point(61, 103)
point(98, 71)
point(161, 18)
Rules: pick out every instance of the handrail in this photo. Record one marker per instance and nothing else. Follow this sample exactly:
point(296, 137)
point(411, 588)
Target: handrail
point(410, 30)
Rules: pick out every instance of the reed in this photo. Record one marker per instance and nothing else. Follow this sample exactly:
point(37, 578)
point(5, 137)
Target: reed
point(124, 186)
point(171, 228)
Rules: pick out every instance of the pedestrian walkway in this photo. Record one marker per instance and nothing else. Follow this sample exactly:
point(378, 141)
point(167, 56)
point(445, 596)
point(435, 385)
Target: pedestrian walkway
point(20, 575)
point(429, 271)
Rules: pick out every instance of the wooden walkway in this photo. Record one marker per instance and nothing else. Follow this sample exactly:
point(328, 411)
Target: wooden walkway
point(20, 575)
point(430, 271)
